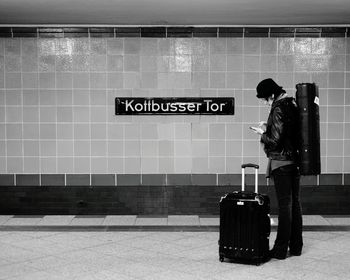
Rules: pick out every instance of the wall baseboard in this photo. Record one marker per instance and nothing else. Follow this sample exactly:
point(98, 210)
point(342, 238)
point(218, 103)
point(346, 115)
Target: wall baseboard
point(153, 200)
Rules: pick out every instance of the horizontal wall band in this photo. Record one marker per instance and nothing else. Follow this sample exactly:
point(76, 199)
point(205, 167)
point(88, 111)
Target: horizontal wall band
point(153, 200)
point(172, 32)
point(158, 180)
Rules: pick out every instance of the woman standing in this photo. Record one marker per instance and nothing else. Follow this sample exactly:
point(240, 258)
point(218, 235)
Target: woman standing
point(280, 136)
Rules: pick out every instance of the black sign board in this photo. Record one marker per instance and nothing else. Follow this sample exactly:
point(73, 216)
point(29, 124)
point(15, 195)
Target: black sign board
point(175, 106)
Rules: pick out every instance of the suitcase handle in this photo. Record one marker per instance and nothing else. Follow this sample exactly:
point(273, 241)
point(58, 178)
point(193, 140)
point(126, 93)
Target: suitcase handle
point(256, 167)
point(250, 165)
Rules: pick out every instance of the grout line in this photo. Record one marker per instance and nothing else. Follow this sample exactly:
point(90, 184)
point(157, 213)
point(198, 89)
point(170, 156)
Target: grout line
point(5, 107)
point(243, 86)
point(56, 128)
point(344, 116)
point(89, 107)
point(106, 106)
point(91, 157)
point(170, 25)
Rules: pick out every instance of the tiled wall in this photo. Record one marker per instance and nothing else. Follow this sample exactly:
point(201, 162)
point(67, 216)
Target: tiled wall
point(57, 101)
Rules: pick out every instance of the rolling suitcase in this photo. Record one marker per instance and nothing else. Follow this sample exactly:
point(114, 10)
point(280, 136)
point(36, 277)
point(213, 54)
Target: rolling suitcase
point(245, 224)
point(309, 122)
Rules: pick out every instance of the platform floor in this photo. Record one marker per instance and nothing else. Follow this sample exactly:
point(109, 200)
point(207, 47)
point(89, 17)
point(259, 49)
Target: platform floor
point(134, 222)
point(85, 247)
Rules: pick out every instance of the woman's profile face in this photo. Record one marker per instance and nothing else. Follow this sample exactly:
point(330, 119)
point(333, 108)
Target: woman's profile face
point(268, 101)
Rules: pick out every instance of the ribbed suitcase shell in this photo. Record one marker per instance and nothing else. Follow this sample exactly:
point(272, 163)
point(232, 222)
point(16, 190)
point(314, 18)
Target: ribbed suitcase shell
point(309, 120)
point(244, 226)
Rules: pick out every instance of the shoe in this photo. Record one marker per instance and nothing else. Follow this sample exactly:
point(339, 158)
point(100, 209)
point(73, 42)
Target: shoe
point(274, 255)
point(294, 253)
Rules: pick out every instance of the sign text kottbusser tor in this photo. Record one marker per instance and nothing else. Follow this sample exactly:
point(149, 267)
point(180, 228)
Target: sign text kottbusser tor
point(174, 106)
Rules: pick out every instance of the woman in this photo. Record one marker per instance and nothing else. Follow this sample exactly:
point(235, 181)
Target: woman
point(280, 140)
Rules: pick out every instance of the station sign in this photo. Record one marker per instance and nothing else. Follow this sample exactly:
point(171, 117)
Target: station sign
point(174, 106)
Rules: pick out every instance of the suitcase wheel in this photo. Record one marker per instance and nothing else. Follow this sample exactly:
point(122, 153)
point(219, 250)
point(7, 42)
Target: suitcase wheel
point(221, 259)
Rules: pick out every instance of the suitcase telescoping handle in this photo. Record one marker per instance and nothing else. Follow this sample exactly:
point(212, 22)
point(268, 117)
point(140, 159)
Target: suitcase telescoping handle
point(252, 165)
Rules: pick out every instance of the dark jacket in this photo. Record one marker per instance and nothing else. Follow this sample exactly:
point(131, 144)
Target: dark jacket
point(282, 133)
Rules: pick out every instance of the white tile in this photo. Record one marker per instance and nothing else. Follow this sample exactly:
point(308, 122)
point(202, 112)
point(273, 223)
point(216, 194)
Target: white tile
point(151, 221)
point(329, 268)
point(321, 235)
point(16, 270)
point(170, 275)
point(139, 270)
point(338, 221)
point(119, 220)
point(14, 237)
point(110, 236)
point(86, 221)
point(183, 220)
point(55, 220)
point(74, 270)
point(4, 262)
point(39, 275)
point(239, 274)
point(160, 255)
point(209, 221)
point(14, 253)
point(202, 269)
point(22, 221)
point(315, 253)
point(4, 218)
point(167, 236)
point(105, 275)
point(312, 220)
point(47, 263)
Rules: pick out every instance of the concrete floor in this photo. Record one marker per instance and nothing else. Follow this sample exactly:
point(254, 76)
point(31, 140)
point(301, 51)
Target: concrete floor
point(35, 252)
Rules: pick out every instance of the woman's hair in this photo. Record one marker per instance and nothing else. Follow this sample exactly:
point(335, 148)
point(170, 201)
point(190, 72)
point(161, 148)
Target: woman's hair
point(278, 93)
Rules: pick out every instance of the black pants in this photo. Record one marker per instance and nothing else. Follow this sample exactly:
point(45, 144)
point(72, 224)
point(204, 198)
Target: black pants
point(289, 231)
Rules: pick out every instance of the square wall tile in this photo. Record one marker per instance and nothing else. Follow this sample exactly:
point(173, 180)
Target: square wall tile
point(57, 98)
point(217, 164)
point(149, 165)
point(166, 165)
point(78, 180)
point(27, 180)
point(7, 180)
point(128, 180)
point(65, 164)
point(103, 179)
point(183, 164)
point(99, 165)
point(52, 180)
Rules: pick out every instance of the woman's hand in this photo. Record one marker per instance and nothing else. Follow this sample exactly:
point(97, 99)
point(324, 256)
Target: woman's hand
point(257, 130)
point(262, 125)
